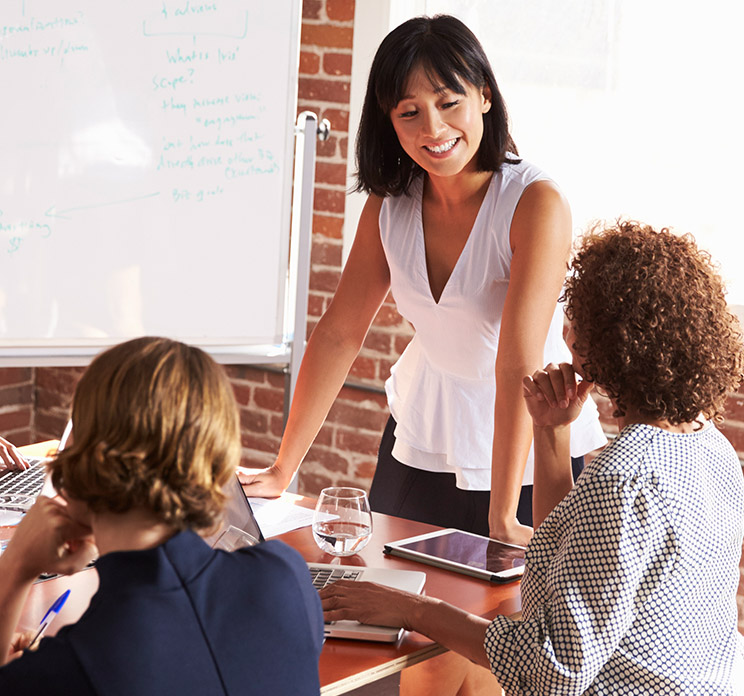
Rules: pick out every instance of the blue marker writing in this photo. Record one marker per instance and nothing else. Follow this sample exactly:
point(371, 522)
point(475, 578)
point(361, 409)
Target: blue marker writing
point(49, 617)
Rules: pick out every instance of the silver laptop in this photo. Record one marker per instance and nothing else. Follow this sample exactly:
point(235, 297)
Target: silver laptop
point(19, 488)
point(238, 514)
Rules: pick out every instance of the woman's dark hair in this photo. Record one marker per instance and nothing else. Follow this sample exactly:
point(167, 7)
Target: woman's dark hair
point(651, 323)
point(449, 54)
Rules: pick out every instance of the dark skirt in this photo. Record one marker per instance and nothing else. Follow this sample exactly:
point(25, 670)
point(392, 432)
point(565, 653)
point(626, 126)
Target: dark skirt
point(433, 497)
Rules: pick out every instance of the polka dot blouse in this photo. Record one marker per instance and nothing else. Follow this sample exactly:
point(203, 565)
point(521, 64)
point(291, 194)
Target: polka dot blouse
point(630, 582)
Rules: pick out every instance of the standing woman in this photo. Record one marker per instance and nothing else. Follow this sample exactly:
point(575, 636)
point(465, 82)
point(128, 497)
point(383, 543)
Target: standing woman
point(473, 243)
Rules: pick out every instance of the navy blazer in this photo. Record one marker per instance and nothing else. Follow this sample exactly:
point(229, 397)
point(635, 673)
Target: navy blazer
point(185, 619)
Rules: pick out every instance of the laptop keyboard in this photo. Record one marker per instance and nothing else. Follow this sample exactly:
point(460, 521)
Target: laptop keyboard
point(327, 576)
point(23, 481)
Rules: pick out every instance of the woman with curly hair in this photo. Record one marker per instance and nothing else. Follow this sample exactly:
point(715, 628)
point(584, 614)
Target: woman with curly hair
point(631, 577)
point(155, 435)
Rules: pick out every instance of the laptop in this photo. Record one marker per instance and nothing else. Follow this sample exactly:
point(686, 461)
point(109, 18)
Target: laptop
point(19, 488)
point(239, 515)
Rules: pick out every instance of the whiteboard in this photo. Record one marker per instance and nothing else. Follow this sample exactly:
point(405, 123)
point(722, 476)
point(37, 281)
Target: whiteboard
point(145, 172)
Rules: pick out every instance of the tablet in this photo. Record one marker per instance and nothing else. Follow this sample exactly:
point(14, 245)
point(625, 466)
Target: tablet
point(463, 552)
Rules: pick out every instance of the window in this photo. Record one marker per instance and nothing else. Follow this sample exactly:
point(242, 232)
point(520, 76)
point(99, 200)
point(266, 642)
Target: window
point(632, 106)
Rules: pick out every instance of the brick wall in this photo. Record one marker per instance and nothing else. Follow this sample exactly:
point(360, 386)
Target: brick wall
point(34, 402)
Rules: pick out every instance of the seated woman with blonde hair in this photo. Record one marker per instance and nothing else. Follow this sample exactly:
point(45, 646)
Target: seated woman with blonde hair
point(631, 576)
point(155, 439)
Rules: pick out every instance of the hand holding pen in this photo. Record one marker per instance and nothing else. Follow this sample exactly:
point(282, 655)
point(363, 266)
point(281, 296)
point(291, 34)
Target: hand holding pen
point(48, 618)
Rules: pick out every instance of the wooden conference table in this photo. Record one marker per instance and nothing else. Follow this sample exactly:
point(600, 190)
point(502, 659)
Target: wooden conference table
point(344, 664)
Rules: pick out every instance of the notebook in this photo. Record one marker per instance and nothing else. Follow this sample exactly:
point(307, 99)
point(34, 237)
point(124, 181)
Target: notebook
point(238, 514)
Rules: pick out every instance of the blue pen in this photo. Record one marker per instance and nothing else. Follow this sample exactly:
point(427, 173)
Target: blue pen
point(49, 617)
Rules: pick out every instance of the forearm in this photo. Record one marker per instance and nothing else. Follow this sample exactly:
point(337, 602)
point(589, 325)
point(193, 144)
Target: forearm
point(553, 477)
point(325, 365)
point(511, 443)
point(451, 627)
point(14, 588)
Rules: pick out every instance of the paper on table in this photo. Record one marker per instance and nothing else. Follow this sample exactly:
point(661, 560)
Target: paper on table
point(278, 516)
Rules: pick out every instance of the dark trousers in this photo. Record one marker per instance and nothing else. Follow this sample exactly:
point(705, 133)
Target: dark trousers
point(432, 497)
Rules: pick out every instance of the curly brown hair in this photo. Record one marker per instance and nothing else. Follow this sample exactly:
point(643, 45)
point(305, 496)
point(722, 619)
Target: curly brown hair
point(652, 324)
point(154, 427)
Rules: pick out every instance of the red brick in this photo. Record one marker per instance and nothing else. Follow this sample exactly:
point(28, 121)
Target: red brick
point(324, 437)
point(20, 437)
point(327, 35)
point(49, 426)
point(369, 398)
point(243, 393)
point(276, 380)
point(276, 426)
point(246, 372)
point(364, 368)
point(311, 9)
point(15, 375)
point(315, 305)
point(309, 63)
point(48, 400)
point(385, 367)
point(338, 118)
point(327, 226)
point(388, 316)
point(735, 435)
point(324, 281)
point(330, 460)
point(337, 64)
point(324, 90)
point(303, 105)
point(262, 444)
point(17, 419)
point(327, 148)
point(59, 379)
point(352, 441)
point(326, 254)
point(251, 420)
point(378, 341)
point(330, 173)
point(343, 146)
point(340, 10)
point(311, 483)
point(735, 408)
point(269, 399)
point(16, 394)
point(253, 459)
point(365, 471)
point(357, 417)
point(401, 342)
point(329, 201)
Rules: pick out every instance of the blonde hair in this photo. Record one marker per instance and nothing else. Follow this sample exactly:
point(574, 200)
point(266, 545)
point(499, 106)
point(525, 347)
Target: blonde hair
point(155, 427)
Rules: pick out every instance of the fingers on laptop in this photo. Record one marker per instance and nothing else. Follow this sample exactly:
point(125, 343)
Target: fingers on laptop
point(10, 457)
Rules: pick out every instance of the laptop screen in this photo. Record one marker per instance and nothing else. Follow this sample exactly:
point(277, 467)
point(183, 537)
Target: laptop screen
point(236, 513)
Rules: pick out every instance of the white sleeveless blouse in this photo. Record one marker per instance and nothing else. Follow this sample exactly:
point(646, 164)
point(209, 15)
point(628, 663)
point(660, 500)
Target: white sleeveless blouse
point(442, 390)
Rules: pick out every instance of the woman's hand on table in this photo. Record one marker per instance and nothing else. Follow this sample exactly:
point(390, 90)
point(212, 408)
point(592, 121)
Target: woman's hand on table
point(265, 483)
point(368, 603)
point(554, 396)
point(515, 533)
point(10, 457)
point(48, 540)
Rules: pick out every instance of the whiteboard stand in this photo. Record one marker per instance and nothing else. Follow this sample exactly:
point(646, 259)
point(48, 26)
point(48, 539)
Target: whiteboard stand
point(307, 130)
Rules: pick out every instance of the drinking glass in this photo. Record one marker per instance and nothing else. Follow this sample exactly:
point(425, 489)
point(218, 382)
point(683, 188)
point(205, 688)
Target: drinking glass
point(342, 523)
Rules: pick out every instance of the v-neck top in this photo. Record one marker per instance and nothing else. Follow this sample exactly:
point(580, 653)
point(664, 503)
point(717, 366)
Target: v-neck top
point(442, 390)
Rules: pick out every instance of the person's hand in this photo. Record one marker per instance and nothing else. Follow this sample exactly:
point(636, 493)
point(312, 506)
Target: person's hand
point(10, 457)
point(513, 533)
point(265, 483)
point(48, 540)
point(368, 603)
point(19, 643)
point(553, 396)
